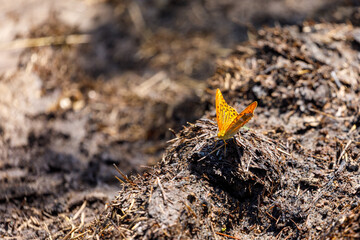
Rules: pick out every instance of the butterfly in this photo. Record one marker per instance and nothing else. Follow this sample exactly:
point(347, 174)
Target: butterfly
point(228, 119)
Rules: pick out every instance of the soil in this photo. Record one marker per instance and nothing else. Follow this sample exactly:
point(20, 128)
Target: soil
point(107, 120)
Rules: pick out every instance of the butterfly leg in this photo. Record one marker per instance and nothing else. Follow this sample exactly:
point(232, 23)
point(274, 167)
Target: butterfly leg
point(215, 143)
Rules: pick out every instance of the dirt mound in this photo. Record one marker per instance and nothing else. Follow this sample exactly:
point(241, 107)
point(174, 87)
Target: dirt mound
point(199, 185)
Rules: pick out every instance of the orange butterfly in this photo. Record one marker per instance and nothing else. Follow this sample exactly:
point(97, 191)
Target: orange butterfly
point(228, 119)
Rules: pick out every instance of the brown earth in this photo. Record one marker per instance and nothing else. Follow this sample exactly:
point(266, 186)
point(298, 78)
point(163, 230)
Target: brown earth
point(99, 83)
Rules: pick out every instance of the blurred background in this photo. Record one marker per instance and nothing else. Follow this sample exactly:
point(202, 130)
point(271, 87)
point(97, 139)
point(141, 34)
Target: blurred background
point(86, 84)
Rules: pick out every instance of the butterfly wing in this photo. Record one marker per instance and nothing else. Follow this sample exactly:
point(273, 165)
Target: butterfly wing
point(225, 114)
point(241, 120)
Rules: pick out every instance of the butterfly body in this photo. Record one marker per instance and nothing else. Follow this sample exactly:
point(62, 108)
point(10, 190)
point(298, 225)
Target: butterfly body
point(228, 119)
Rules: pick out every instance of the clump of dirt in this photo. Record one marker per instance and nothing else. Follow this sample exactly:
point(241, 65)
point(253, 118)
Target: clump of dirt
point(199, 185)
point(295, 174)
point(346, 227)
